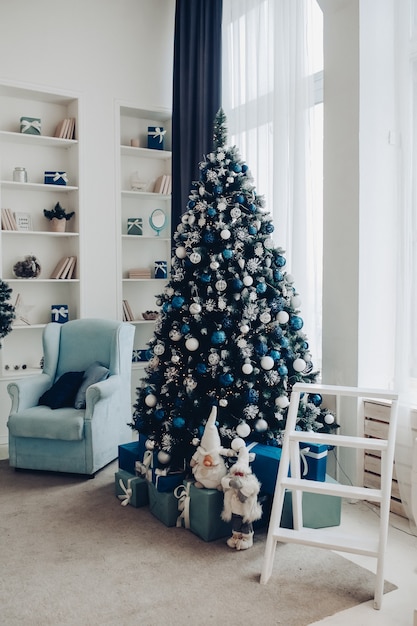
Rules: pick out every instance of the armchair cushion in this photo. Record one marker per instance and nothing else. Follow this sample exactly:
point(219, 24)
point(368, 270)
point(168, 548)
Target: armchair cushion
point(95, 373)
point(63, 391)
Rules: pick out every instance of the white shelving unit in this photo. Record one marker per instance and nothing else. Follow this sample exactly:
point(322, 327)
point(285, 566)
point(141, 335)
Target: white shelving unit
point(37, 154)
point(142, 251)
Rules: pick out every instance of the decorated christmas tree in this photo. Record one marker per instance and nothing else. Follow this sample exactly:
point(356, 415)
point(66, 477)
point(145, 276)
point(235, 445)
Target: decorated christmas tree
point(7, 314)
point(229, 332)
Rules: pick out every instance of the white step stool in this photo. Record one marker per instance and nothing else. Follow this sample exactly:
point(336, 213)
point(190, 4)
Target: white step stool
point(332, 539)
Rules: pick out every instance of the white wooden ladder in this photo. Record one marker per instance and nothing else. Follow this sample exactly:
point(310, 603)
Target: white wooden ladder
point(332, 538)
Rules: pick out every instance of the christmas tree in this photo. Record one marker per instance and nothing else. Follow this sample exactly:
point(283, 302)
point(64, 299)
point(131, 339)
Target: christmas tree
point(6, 310)
point(229, 332)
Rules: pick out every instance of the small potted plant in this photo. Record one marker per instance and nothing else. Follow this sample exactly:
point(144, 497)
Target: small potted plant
point(58, 217)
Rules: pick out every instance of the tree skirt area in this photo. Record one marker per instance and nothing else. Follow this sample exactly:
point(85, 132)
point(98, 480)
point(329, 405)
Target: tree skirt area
point(71, 554)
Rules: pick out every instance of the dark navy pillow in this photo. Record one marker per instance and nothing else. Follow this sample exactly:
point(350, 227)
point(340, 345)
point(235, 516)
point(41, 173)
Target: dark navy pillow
point(63, 392)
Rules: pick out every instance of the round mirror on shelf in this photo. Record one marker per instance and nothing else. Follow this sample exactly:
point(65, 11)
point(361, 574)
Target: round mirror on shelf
point(157, 220)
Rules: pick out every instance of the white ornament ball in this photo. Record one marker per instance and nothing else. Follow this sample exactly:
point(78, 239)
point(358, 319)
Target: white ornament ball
point(289, 278)
point(192, 344)
point(282, 402)
point(191, 218)
point(214, 265)
point(159, 349)
point(195, 257)
point(221, 285)
point(299, 365)
point(195, 441)
point(267, 362)
point(247, 368)
point(283, 317)
point(150, 400)
point(149, 444)
point(223, 402)
point(247, 281)
point(296, 302)
point(164, 457)
point(261, 426)
point(195, 308)
point(237, 443)
point(243, 429)
point(175, 358)
point(181, 252)
point(329, 418)
point(265, 317)
point(175, 334)
point(244, 329)
point(225, 234)
point(184, 218)
point(235, 212)
point(213, 358)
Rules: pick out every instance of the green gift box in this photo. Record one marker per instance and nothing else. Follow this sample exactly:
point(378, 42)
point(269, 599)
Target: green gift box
point(131, 489)
point(319, 510)
point(134, 226)
point(164, 505)
point(206, 506)
point(30, 125)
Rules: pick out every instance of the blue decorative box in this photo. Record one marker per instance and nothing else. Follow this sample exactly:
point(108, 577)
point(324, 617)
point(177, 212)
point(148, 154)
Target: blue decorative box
point(313, 461)
point(144, 354)
point(167, 483)
point(56, 178)
point(164, 506)
point(30, 125)
point(265, 465)
point(131, 452)
point(319, 510)
point(131, 489)
point(134, 226)
point(59, 313)
point(156, 137)
point(161, 269)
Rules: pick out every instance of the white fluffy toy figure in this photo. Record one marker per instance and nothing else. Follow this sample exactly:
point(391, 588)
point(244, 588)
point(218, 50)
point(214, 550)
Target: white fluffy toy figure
point(241, 505)
point(207, 464)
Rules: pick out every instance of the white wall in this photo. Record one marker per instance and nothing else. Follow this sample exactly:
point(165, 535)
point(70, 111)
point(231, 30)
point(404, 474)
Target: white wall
point(101, 50)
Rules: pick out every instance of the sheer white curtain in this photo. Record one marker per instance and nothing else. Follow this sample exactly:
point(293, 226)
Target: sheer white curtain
point(406, 296)
point(268, 97)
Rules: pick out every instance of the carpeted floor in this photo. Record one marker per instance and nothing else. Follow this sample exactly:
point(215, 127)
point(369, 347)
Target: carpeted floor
point(72, 555)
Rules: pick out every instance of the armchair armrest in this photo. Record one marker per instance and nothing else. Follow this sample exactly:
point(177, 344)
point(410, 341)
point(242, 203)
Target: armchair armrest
point(26, 392)
point(100, 391)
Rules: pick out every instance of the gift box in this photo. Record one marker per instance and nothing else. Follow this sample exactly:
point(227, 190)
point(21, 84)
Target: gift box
point(313, 461)
point(131, 489)
point(30, 125)
point(156, 137)
point(131, 452)
point(165, 483)
point(164, 505)
point(319, 510)
point(56, 178)
point(59, 313)
point(265, 465)
point(143, 354)
point(202, 512)
point(134, 226)
point(161, 269)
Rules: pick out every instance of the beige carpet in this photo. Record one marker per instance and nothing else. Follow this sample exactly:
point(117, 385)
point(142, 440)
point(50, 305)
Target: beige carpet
point(72, 555)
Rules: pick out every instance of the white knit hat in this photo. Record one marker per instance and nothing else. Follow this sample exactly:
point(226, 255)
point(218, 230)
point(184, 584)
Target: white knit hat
point(242, 464)
point(210, 441)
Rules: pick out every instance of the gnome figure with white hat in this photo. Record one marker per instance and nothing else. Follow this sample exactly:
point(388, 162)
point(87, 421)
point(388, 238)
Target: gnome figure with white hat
point(241, 505)
point(207, 464)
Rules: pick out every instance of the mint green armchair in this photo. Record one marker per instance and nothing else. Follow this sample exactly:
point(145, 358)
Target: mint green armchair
point(78, 440)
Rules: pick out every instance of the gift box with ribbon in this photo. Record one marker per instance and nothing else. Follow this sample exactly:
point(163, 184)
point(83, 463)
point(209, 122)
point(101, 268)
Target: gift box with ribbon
point(265, 465)
point(142, 354)
point(165, 482)
point(134, 226)
point(131, 452)
point(156, 137)
point(131, 489)
point(59, 313)
point(200, 511)
point(161, 269)
point(319, 510)
point(163, 506)
point(313, 461)
point(30, 125)
point(55, 178)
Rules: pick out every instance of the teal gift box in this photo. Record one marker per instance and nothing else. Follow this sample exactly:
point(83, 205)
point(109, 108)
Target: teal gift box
point(156, 137)
point(55, 178)
point(134, 226)
point(206, 506)
point(163, 506)
point(131, 489)
point(131, 452)
point(319, 510)
point(30, 125)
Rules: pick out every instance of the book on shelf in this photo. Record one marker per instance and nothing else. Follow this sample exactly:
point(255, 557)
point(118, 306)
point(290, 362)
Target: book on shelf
point(163, 184)
point(8, 221)
point(140, 272)
point(64, 268)
point(127, 312)
point(65, 128)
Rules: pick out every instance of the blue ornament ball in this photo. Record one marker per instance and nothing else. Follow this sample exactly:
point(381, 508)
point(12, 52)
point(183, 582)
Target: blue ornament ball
point(261, 348)
point(237, 284)
point(269, 227)
point(278, 276)
point(191, 204)
point(178, 422)
point(282, 370)
point(275, 354)
point(252, 396)
point(283, 342)
point(252, 208)
point(159, 414)
point(185, 329)
point(239, 198)
point(261, 288)
point(244, 167)
point(237, 168)
point(201, 368)
point(280, 260)
point(209, 237)
point(296, 322)
point(218, 337)
point(226, 379)
point(205, 278)
point(177, 302)
point(252, 230)
point(316, 399)
point(227, 253)
point(211, 211)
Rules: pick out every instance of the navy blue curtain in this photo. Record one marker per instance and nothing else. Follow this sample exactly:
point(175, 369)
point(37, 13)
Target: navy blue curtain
point(196, 92)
